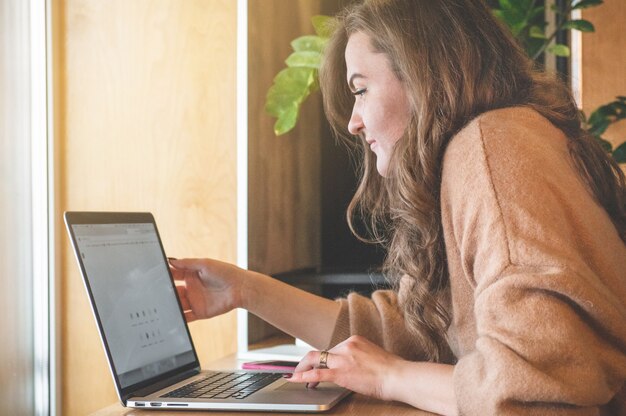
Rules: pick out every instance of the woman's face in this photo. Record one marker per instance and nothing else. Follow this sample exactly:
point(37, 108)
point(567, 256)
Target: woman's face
point(381, 107)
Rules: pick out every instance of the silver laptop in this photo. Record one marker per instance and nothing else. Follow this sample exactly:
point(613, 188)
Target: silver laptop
point(146, 339)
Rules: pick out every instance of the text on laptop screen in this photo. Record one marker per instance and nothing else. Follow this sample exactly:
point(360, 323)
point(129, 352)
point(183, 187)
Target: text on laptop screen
point(134, 298)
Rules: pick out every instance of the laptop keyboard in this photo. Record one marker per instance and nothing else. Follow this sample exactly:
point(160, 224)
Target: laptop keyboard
point(238, 385)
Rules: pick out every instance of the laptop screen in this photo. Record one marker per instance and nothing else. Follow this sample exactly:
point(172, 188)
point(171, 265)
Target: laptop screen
point(134, 298)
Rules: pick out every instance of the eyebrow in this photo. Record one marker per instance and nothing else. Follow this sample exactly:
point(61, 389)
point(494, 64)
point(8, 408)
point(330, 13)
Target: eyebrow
point(351, 80)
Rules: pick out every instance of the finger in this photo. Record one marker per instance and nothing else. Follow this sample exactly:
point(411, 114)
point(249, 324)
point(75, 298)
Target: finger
point(177, 274)
point(204, 268)
point(190, 316)
point(182, 296)
point(309, 361)
point(313, 360)
point(185, 305)
point(314, 377)
point(189, 264)
point(196, 295)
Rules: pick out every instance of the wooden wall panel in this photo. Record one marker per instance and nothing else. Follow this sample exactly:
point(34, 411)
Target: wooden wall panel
point(284, 172)
point(604, 61)
point(145, 120)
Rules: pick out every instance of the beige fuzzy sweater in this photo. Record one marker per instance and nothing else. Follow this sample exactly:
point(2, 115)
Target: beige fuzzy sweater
point(537, 277)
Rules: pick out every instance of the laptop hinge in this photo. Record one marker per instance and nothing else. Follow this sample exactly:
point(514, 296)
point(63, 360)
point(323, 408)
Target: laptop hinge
point(162, 384)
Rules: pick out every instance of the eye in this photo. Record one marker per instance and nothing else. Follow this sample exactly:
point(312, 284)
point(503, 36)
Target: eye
point(359, 92)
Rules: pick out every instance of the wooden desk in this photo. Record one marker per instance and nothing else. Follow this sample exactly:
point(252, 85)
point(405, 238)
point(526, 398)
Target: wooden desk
point(355, 404)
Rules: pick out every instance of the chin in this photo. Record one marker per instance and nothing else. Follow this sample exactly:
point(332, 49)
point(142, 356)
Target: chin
point(382, 163)
point(382, 169)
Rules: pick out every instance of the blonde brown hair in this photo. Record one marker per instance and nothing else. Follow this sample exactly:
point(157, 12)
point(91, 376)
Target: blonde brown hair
point(456, 62)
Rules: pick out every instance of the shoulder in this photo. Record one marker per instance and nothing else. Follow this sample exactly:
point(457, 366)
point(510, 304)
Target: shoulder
point(506, 138)
point(510, 141)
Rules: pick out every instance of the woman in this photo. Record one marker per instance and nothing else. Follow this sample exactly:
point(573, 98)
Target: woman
point(505, 227)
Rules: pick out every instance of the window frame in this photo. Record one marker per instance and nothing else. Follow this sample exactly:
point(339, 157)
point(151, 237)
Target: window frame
point(45, 355)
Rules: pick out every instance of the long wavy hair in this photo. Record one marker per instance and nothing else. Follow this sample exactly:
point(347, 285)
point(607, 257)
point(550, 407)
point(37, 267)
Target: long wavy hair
point(456, 61)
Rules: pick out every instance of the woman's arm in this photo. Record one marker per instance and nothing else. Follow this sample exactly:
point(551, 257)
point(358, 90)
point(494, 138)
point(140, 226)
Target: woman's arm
point(294, 311)
point(209, 288)
point(424, 385)
point(541, 325)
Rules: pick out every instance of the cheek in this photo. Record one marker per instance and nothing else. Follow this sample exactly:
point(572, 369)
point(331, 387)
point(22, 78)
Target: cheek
point(397, 122)
point(395, 116)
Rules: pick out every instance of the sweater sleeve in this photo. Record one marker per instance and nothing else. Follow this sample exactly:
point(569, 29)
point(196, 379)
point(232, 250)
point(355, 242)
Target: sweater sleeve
point(380, 319)
point(546, 267)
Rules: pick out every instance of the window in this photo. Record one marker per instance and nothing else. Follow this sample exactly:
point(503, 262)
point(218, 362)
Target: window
point(24, 207)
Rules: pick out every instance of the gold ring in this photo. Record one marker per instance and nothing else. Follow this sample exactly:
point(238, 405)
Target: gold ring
point(323, 359)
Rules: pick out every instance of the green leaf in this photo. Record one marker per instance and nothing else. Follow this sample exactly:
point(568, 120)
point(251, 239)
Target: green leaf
point(498, 14)
point(517, 7)
point(323, 25)
point(619, 154)
point(295, 83)
point(287, 120)
point(291, 87)
point(598, 114)
point(582, 25)
point(596, 118)
point(304, 59)
point(608, 112)
point(583, 4)
point(525, 4)
point(513, 17)
point(518, 28)
point(536, 32)
point(599, 128)
point(605, 115)
point(505, 4)
point(533, 46)
point(558, 50)
point(309, 43)
point(537, 11)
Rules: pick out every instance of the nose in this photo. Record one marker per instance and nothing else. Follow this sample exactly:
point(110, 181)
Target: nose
point(355, 125)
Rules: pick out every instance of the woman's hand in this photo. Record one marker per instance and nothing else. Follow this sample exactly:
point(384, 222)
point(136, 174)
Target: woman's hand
point(356, 364)
point(363, 367)
point(207, 288)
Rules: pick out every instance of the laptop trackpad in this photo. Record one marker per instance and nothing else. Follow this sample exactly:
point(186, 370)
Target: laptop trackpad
point(322, 387)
